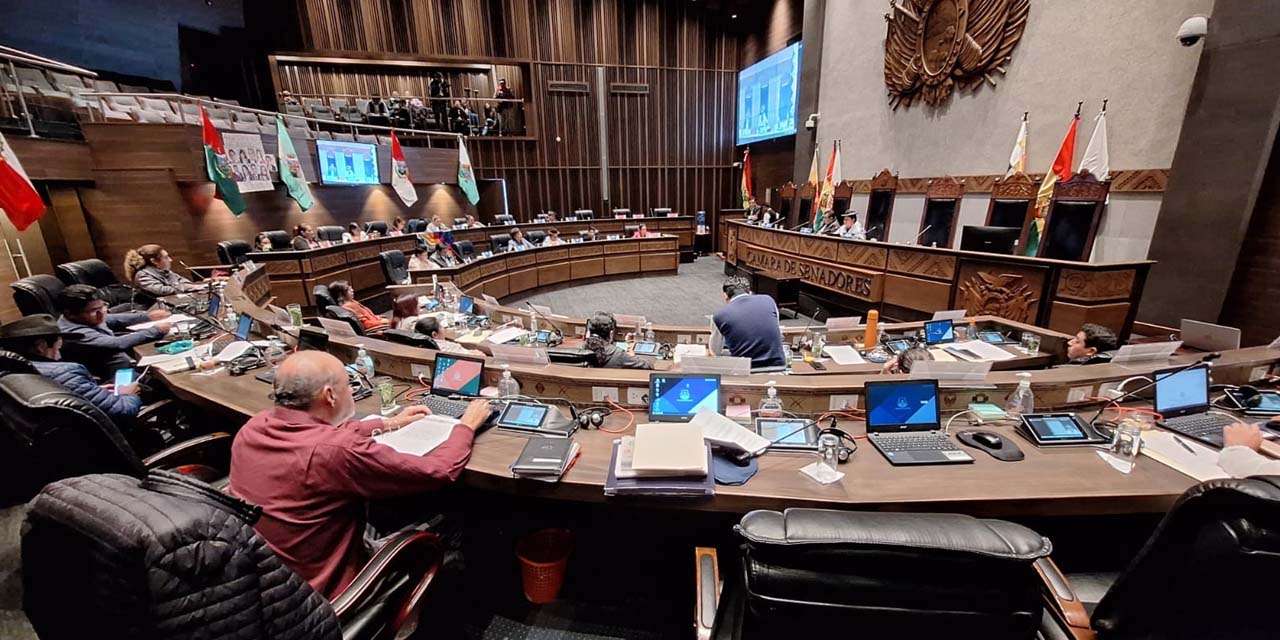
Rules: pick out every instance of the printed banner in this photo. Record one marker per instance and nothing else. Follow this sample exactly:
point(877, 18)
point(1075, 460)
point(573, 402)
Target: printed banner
point(250, 164)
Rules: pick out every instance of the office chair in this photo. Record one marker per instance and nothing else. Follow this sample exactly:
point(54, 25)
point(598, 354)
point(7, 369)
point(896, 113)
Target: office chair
point(503, 219)
point(584, 235)
point(394, 266)
point(280, 240)
point(584, 214)
point(415, 225)
point(330, 233)
point(905, 575)
point(376, 225)
point(233, 252)
point(410, 338)
point(50, 433)
point(168, 556)
point(498, 242)
point(626, 213)
point(323, 297)
point(537, 237)
point(37, 294)
point(339, 313)
point(465, 249)
point(659, 212)
point(96, 273)
point(630, 229)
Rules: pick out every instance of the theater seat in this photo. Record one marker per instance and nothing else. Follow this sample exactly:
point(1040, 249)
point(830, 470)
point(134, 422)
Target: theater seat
point(280, 240)
point(37, 294)
point(498, 242)
point(377, 225)
point(233, 252)
point(330, 233)
point(394, 266)
point(537, 237)
point(322, 297)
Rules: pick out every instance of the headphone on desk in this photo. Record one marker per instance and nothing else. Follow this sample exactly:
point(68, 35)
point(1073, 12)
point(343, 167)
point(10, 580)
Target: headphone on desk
point(591, 418)
point(1250, 396)
point(848, 446)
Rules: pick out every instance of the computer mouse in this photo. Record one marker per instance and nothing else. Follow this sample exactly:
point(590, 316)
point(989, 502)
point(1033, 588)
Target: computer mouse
point(989, 439)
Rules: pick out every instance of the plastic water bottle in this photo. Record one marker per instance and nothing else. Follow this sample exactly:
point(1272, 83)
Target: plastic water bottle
point(231, 321)
point(648, 332)
point(507, 386)
point(771, 404)
point(364, 362)
point(1022, 400)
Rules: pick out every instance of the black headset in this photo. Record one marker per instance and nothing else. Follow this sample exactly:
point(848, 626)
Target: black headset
point(591, 418)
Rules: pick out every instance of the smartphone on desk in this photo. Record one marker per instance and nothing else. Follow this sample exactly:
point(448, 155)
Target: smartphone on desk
point(124, 378)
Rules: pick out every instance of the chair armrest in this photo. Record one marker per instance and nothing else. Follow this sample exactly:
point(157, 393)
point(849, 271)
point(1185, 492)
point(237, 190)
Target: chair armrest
point(707, 570)
point(413, 556)
point(211, 452)
point(1062, 601)
point(155, 409)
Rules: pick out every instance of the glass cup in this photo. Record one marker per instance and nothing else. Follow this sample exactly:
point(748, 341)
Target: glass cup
point(962, 332)
point(829, 449)
point(386, 393)
point(295, 314)
point(1127, 442)
point(1031, 343)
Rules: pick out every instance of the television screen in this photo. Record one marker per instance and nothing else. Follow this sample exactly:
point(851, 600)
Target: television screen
point(767, 95)
point(347, 163)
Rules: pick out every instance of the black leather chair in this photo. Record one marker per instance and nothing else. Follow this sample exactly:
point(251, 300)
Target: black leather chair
point(96, 273)
point(50, 433)
point(630, 229)
point(537, 237)
point(94, 547)
point(410, 338)
point(626, 213)
point(584, 235)
point(415, 225)
point(330, 233)
point(37, 294)
point(465, 249)
point(377, 225)
point(394, 266)
point(503, 219)
point(280, 240)
point(339, 313)
point(233, 252)
point(584, 214)
point(660, 212)
point(11, 362)
point(807, 572)
point(498, 242)
point(323, 297)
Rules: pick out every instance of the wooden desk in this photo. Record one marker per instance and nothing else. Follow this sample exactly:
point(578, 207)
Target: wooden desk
point(293, 274)
point(682, 227)
point(910, 282)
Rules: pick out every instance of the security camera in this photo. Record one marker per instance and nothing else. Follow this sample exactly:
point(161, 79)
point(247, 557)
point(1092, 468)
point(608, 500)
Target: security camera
point(812, 122)
point(1192, 30)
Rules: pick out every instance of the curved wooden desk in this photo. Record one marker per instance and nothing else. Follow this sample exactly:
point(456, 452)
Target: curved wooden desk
point(682, 227)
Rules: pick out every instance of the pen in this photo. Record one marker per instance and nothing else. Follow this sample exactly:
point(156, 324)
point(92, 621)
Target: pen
point(1184, 445)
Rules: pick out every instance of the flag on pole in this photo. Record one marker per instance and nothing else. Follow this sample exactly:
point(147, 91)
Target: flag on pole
point(18, 197)
point(1061, 170)
point(826, 199)
point(1096, 159)
point(813, 181)
point(1018, 157)
point(290, 168)
point(400, 173)
point(746, 177)
point(467, 174)
point(219, 168)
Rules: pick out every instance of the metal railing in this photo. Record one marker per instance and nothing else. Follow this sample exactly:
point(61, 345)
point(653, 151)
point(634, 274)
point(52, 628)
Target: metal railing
point(12, 59)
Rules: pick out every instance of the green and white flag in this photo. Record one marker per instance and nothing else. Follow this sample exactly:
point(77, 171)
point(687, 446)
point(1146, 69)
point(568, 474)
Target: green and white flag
point(219, 168)
point(466, 175)
point(290, 169)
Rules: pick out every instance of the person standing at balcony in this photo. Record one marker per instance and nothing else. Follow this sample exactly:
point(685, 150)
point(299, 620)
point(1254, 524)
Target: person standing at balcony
point(506, 109)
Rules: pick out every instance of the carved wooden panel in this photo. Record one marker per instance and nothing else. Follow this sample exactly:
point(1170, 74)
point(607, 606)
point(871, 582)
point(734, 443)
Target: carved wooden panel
point(945, 188)
point(621, 247)
point(1122, 181)
point(913, 293)
point(1067, 317)
point(590, 268)
point(883, 180)
point(863, 255)
point(1018, 186)
point(554, 255)
point(1089, 286)
point(731, 246)
point(521, 260)
point(816, 246)
point(857, 283)
point(363, 251)
point(1082, 187)
point(326, 261)
point(923, 263)
point(1003, 290)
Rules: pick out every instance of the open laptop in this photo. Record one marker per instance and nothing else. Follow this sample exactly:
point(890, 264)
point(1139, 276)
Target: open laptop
point(939, 331)
point(1182, 397)
point(676, 398)
point(904, 423)
point(1207, 336)
point(454, 376)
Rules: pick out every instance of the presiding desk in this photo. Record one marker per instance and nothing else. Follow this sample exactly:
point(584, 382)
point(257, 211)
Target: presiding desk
point(682, 227)
point(911, 282)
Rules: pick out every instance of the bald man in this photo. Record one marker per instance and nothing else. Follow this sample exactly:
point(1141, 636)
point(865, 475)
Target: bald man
point(311, 466)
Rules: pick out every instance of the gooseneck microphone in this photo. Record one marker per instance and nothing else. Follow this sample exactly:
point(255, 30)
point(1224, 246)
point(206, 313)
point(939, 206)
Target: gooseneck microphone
point(554, 326)
point(197, 276)
point(922, 232)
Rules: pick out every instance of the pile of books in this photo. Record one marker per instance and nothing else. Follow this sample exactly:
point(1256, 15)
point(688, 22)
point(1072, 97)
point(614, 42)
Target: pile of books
point(546, 459)
point(661, 460)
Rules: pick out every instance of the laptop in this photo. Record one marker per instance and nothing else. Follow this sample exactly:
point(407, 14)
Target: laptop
point(1206, 336)
point(466, 305)
point(1182, 397)
point(676, 398)
point(454, 376)
point(904, 423)
point(939, 331)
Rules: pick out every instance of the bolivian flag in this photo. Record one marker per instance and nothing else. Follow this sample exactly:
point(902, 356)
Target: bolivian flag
point(1061, 170)
point(215, 160)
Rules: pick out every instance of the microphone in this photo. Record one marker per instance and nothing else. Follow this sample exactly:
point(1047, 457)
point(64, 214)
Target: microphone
point(747, 455)
point(868, 231)
point(192, 271)
point(554, 326)
point(1205, 359)
point(922, 232)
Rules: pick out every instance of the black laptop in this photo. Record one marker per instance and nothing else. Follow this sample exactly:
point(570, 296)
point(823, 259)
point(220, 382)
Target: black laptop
point(904, 423)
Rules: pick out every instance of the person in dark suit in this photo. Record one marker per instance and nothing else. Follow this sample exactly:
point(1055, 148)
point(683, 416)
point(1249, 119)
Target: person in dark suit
point(439, 92)
point(747, 326)
point(90, 331)
point(304, 237)
point(379, 114)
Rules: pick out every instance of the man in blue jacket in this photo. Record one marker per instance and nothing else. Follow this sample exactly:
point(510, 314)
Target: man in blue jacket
point(38, 339)
point(748, 327)
point(90, 331)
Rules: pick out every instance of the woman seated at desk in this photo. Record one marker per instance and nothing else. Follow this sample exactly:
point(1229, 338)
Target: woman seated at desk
point(430, 327)
point(418, 261)
point(147, 267)
point(472, 223)
point(443, 257)
point(553, 238)
point(518, 242)
point(643, 232)
point(851, 229)
point(405, 312)
point(345, 296)
point(437, 225)
point(397, 227)
point(354, 233)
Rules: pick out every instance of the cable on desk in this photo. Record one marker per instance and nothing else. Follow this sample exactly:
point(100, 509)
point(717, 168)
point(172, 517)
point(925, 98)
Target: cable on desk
point(631, 418)
point(947, 427)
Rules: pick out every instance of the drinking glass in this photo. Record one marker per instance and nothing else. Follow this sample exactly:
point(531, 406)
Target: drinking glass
point(386, 393)
point(295, 314)
point(1031, 343)
point(829, 449)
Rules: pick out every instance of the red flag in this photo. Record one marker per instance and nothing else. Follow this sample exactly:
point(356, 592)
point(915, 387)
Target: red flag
point(746, 177)
point(18, 197)
point(400, 180)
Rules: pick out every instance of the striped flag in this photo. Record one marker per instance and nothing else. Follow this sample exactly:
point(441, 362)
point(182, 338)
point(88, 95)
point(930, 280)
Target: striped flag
point(826, 199)
point(18, 197)
point(219, 167)
point(1061, 170)
point(1018, 157)
point(746, 177)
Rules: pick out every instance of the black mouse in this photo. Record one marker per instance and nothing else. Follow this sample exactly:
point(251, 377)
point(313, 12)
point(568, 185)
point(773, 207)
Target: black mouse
point(990, 439)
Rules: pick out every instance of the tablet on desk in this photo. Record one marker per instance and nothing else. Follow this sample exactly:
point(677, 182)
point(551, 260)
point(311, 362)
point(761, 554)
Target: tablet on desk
point(792, 434)
point(646, 348)
point(1058, 429)
point(993, 337)
point(524, 416)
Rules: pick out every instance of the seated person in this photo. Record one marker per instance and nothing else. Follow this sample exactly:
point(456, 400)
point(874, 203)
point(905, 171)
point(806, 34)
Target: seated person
point(430, 326)
point(405, 312)
point(38, 339)
point(593, 233)
point(311, 466)
point(851, 228)
point(769, 217)
point(753, 209)
point(397, 227)
point(903, 362)
point(90, 331)
point(147, 267)
point(443, 256)
point(354, 233)
point(747, 326)
point(262, 243)
point(518, 242)
point(643, 232)
point(553, 238)
point(418, 260)
point(1239, 456)
point(600, 331)
point(304, 237)
point(830, 226)
point(437, 225)
point(345, 296)
point(1092, 344)
point(472, 223)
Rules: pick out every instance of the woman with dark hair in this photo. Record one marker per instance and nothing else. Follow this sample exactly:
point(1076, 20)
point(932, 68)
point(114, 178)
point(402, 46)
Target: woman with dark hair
point(397, 227)
point(429, 326)
point(405, 311)
point(518, 242)
point(354, 233)
point(262, 242)
point(607, 355)
point(147, 267)
point(345, 296)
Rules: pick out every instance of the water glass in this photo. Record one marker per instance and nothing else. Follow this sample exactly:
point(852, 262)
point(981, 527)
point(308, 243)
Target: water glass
point(386, 393)
point(295, 314)
point(1127, 442)
point(1031, 343)
point(829, 449)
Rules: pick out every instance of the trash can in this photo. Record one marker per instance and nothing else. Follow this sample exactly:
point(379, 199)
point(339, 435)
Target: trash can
point(543, 555)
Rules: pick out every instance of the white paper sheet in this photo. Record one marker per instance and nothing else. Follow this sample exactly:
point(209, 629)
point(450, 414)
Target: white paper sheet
point(843, 354)
point(173, 319)
point(1200, 462)
point(722, 431)
point(419, 437)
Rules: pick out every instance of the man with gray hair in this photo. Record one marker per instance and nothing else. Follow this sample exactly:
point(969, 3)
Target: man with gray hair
point(311, 466)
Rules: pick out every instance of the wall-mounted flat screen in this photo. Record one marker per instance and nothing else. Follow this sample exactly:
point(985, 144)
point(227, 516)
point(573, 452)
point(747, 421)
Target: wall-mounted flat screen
point(347, 163)
point(767, 95)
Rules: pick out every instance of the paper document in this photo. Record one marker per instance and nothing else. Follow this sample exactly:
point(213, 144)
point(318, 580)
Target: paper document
point(173, 319)
point(234, 350)
point(669, 450)
point(160, 358)
point(985, 350)
point(688, 350)
point(721, 431)
point(506, 335)
point(1200, 462)
point(843, 354)
point(419, 437)
point(337, 328)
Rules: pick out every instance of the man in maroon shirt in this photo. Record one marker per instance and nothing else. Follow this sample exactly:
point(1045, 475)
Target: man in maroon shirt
point(311, 467)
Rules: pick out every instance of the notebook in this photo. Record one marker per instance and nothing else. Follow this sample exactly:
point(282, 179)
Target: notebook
point(688, 486)
point(545, 458)
point(669, 450)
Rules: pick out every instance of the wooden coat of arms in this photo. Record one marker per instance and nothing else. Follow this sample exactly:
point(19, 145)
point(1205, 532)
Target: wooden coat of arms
point(934, 45)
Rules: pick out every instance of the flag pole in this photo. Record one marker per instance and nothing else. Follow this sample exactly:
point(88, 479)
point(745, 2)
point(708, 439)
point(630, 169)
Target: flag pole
point(1104, 105)
point(1079, 105)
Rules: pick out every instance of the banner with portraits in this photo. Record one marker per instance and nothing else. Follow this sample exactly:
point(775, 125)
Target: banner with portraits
point(250, 164)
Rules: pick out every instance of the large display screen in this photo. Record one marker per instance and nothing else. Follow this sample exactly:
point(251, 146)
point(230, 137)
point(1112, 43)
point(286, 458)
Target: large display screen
point(347, 163)
point(767, 95)
point(678, 398)
point(893, 405)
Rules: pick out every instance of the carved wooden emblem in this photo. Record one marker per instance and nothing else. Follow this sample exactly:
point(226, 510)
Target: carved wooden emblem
point(1006, 295)
point(933, 45)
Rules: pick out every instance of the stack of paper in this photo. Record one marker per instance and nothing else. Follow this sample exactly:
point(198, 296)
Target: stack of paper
point(843, 354)
point(624, 480)
point(723, 432)
point(669, 450)
point(420, 437)
point(1183, 455)
point(175, 319)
